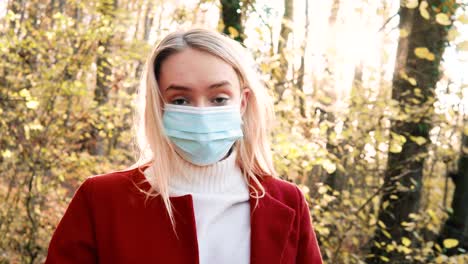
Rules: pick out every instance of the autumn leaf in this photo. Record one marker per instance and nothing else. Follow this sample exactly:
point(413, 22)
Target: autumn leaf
point(387, 234)
point(412, 4)
point(462, 46)
point(6, 153)
point(24, 93)
point(381, 224)
point(322, 189)
point(421, 52)
point(418, 140)
point(233, 32)
point(385, 259)
point(412, 81)
point(424, 53)
point(450, 243)
point(463, 19)
point(405, 241)
point(404, 33)
point(32, 104)
point(443, 19)
point(329, 166)
point(452, 34)
point(423, 10)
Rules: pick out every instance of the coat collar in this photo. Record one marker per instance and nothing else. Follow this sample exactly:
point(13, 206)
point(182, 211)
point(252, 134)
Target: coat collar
point(271, 223)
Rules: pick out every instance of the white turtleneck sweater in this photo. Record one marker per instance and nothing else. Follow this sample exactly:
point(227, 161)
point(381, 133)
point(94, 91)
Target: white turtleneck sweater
point(222, 211)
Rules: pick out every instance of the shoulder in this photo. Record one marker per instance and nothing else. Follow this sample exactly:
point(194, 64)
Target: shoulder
point(114, 182)
point(283, 191)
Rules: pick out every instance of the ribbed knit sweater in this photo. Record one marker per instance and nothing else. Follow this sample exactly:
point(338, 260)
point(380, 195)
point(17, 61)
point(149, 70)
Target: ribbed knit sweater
point(221, 207)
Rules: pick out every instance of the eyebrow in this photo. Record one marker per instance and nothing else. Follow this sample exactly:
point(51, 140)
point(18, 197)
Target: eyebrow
point(184, 88)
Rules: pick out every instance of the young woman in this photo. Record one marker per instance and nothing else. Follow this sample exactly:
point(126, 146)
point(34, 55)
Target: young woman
point(204, 189)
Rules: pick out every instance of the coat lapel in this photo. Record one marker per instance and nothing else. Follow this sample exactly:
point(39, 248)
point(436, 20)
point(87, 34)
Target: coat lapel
point(271, 223)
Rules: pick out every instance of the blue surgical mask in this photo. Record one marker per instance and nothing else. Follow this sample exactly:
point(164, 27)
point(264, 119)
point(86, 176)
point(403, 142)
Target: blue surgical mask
point(202, 135)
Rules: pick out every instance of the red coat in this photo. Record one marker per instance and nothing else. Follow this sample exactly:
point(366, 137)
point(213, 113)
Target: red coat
point(108, 221)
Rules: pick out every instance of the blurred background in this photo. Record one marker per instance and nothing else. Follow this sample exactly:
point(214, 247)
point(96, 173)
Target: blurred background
point(371, 99)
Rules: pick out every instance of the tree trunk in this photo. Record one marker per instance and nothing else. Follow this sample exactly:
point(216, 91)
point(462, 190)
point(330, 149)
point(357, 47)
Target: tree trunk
point(107, 10)
point(456, 226)
point(286, 28)
point(232, 18)
point(403, 177)
point(301, 73)
point(148, 24)
point(336, 180)
point(334, 12)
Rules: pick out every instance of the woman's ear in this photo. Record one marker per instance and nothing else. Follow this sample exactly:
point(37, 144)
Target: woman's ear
point(245, 93)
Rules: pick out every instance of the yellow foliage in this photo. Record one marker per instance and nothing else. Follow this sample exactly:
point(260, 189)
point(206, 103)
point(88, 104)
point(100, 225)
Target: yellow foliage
point(387, 234)
point(390, 248)
point(443, 19)
point(233, 32)
point(463, 46)
point(452, 34)
point(450, 243)
point(6, 153)
point(404, 33)
point(384, 258)
point(418, 140)
point(32, 104)
point(322, 189)
point(24, 93)
point(423, 10)
point(424, 53)
point(404, 249)
point(463, 19)
point(441, 259)
point(405, 241)
point(412, 4)
point(412, 81)
point(381, 224)
point(329, 166)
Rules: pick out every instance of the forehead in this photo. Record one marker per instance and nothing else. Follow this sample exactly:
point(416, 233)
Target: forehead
point(193, 68)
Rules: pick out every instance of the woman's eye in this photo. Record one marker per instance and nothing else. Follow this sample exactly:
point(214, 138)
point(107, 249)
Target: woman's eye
point(179, 101)
point(220, 100)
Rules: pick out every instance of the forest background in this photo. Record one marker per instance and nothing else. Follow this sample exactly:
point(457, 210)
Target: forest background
point(371, 99)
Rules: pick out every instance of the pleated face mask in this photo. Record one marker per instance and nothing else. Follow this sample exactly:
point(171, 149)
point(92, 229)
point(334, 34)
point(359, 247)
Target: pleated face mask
point(203, 135)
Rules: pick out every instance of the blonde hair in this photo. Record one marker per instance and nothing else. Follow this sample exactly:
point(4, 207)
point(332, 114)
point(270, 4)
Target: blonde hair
point(254, 154)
